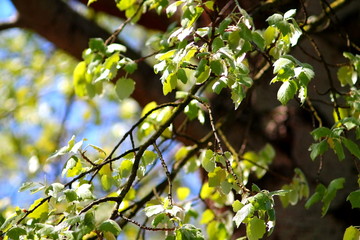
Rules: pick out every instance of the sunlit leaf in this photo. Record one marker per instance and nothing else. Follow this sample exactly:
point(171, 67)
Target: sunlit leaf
point(207, 216)
point(286, 92)
point(255, 229)
point(40, 210)
point(351, 233)
point(182, 193)
point(110, 226)
point(125, 168)
point(243, 213)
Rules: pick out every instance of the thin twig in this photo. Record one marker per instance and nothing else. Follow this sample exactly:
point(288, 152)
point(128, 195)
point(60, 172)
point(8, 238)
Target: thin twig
point(218, 145)
point(146, 228)
point(113, 36)
point(163, 163)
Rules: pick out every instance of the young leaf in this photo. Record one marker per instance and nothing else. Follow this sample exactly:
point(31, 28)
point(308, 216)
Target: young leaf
point(97, 45)
point(320, 132)
point(148, 157)
point(124, 87)
point(207, 216)
point(182, 193)
point(16, 232)
point(318, 149)
point(255, 229)
point(188, 231)
point(354, 199)
point(243, 213)
point(330, 194)
point(352, 233)
point(153, 210)
point(286, 92)
point(125, 168)
point(208, 160)
point(84, 191)
point(237, 205)
point(110, 226)
point(353, 148)
point(42, 209)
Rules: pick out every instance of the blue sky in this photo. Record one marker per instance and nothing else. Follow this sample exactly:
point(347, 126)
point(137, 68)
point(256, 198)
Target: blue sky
point(6, 9)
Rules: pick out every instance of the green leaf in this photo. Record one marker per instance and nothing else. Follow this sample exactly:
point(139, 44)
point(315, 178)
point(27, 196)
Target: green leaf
point(224, 24)
point(153, 210)
point(255, 229)
point(284, 27)
point(70, 195)
point(289, 14)
point(125, 168)
point(203, 76)
point(318, 149)
point(320, 132)
point(54, 189)
point(90, 2)
point(346, 75)
point(207, 216)
point(171, 9)
point(217, 44)
point(237, 94)
point(243, 213)
point(338, 149)
point(208, 160)
point(84, 191)
point(209, 5)
point(182, 193)
point(245, 32)
point(192, 110)
point(125, 4)
point(216, 177)
point(97, 45)
point(110, 226)
point(270, 35)
point(352, 233)
point(158, 219)
point(259, 40)
point(281, 63)
point(286, 92)
point(216, 67)
point(148, 157)
point(30, 185)
point(274, 19)
point(317, 196)
point(237, 205)
point(354, 199)
point(79, 80)
point(181, 74)
point(130, 67)
point(106, 182)
point(218, 86)
point(73, 167)
point(98, 149)
point(353, 148)
point(124, 87)
point(330, 194)
point(16, 232)
point(115, 47)
point(39, 211)
point(189, 232)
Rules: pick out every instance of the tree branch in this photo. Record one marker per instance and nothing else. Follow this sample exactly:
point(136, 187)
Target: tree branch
point(13, 22)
